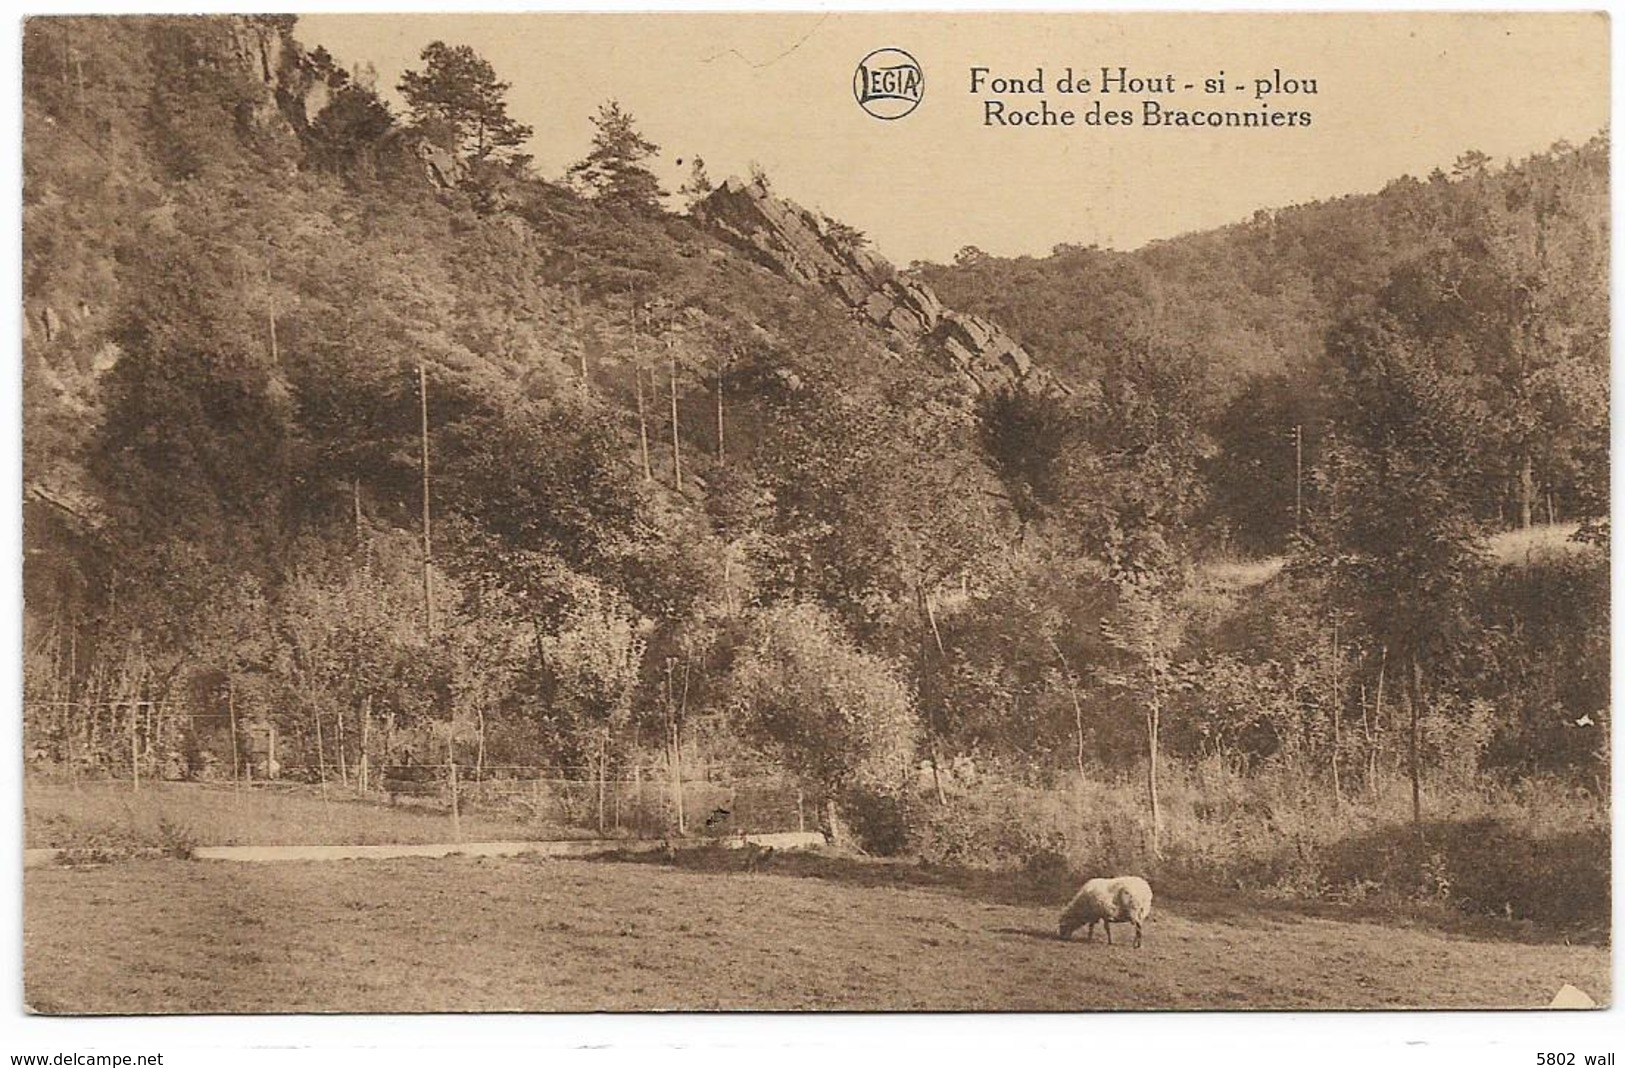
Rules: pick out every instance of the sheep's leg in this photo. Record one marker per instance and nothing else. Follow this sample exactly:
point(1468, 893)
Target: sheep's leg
point(1137, 934)
point(1108, 925)
point(1091, 930)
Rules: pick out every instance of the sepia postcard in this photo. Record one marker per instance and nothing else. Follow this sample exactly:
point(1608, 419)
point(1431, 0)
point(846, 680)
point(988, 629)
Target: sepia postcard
point(862, 512)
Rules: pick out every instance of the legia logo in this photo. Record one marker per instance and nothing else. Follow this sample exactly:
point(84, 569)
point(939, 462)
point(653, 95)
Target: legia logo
point(888, 83)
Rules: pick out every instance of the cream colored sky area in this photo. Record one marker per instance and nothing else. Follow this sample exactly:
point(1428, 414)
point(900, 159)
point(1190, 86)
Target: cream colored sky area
point(1397, 94)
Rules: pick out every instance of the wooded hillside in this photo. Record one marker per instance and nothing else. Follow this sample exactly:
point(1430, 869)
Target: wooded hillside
point(347, 423)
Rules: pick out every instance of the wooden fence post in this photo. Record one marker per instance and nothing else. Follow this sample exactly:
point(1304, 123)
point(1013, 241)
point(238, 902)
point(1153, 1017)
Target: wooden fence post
point(231, 708)
point(603, 756)
point(366, 760)
point(456, 817)
point(135, 750)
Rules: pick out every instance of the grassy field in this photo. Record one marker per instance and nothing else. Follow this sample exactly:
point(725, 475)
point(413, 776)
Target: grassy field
point(1517, 546)
point(161, 815)
point(809, 932)
point(109, 816)
point(1505, 547)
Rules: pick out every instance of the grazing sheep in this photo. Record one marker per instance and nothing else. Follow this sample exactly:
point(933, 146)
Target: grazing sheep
point(1126, 899)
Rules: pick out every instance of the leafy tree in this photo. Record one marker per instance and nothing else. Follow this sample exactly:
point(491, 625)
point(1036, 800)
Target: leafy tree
point(1132, 481)
point(344, 135)
point(354, 656)
point(969, 256)
point(1026, 434)
point(844, 236)
point(1253, 478)
point(1131, 490)
point(1238, 708)
point(837, 715)
point(457, 96)
point(197, 437)
point(1021, 655)
point(1145, 629)
point(540, 478)
point(1395, 535)
point(1546, 663)
point(614, 170)
point(698, 186)
point(591, 668)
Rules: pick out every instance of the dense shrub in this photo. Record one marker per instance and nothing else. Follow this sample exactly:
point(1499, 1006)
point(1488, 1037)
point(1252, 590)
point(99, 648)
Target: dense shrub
point(879, 818)
point(1521, 853)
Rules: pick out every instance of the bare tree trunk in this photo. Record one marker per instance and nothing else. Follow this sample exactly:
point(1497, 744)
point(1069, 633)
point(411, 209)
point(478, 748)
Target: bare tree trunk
point(1414, 686)
point(231, 712)
point(321, 753)
point(1376, 712)
point(155, 736)
point(1337, 729)
point(428, 555)
point(643, 427)
point(727, 580)
point(344, 764)
point(135, 748)
point(1077, 706)
point(366, 729)
point(1153, 724)
point(456, 806)
point(637, 783)
point(722, 452)
point(682, 716)
point(580, 338)
point(677, 775)
point(603, 756)
point(674, 741)
point(270, 315)
point(1365, 729)
point(928, 687)
point(1526, 491)
point(676, 446)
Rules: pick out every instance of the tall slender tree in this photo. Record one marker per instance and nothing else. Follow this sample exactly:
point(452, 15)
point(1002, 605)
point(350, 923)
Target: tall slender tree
point(457, 96)
point(614, 170)
point(1397, 538)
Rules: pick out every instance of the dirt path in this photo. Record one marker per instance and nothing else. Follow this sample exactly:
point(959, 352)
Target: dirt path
point(478, 934)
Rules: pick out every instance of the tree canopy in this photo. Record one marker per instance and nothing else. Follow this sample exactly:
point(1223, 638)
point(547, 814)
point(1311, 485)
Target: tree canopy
point(458, 97)
point(614, 171)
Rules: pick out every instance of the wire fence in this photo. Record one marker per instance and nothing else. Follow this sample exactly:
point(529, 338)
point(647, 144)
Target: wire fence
point(520, 799)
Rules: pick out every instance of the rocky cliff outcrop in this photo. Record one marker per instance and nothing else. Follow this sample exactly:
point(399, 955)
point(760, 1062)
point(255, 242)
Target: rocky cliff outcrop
point(816, 251)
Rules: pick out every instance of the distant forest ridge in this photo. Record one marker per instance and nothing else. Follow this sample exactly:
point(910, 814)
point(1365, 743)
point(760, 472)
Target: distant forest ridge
point(1260, 292)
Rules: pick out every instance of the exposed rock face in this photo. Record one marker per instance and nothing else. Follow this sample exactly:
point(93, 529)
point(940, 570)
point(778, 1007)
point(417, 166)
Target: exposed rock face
point(298, 88)
point(804, 248)
point(443, 169)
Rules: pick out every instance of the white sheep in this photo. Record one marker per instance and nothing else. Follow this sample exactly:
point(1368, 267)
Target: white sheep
point(1125, 899)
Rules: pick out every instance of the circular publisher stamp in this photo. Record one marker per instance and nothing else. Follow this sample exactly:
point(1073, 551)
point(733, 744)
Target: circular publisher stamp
point(888, 83)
